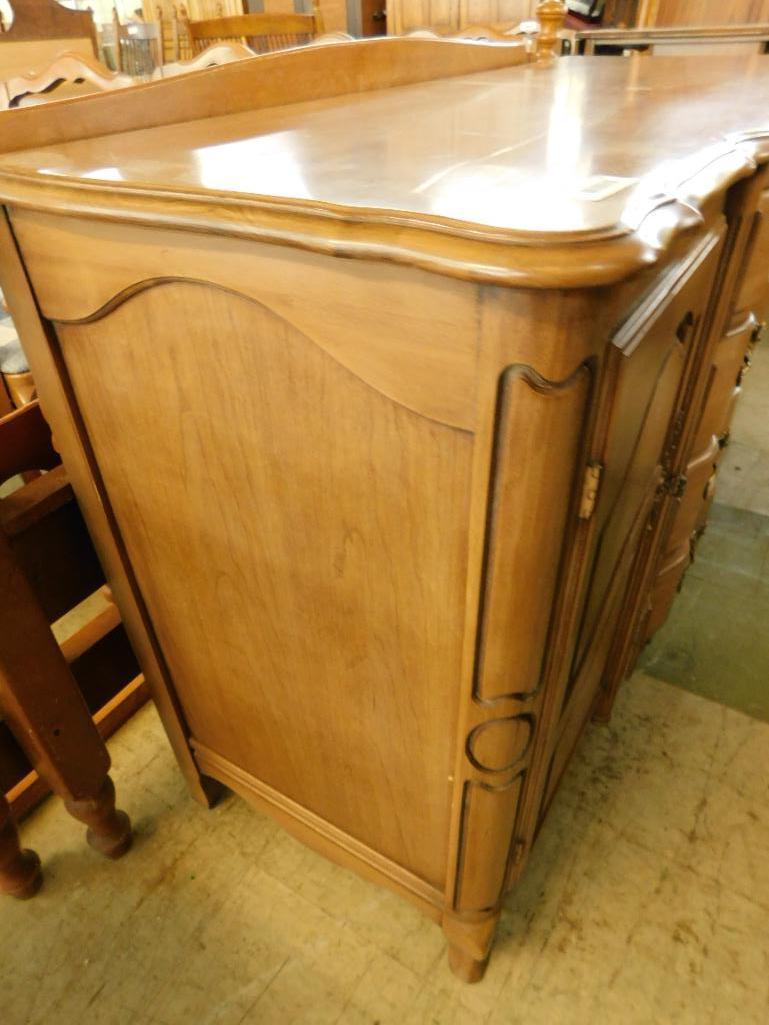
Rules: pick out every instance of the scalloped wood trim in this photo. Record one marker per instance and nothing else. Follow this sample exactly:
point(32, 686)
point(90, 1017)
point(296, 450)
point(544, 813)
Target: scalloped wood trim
point(212, 56)
point(67, 67)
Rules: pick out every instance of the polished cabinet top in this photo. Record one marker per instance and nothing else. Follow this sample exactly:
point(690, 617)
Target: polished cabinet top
point(581, 150)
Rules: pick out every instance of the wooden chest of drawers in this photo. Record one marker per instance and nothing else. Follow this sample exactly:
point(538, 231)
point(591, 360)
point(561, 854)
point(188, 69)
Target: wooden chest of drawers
point(378, 369)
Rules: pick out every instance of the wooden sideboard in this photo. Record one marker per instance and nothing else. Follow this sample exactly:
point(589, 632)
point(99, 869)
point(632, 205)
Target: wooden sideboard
point(443, 17)
point(391, 390)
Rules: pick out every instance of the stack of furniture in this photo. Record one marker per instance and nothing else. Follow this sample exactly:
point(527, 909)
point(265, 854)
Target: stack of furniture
point(448, 18)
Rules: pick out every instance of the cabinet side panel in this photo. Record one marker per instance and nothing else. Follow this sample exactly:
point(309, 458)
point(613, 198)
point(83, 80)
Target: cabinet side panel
point(300, 542)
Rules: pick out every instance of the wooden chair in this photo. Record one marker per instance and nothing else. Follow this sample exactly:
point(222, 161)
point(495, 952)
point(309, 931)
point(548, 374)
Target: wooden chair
point(263, 33)
point(57, 700)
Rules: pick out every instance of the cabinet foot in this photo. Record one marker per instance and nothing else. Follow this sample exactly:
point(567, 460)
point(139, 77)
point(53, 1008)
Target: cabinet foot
point(20, 874)
point(109, 830)
point(603, 707)
point(465, 966)
point(470, 938)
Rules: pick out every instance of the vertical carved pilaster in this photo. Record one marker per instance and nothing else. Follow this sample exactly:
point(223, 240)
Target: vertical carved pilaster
point(529, 506)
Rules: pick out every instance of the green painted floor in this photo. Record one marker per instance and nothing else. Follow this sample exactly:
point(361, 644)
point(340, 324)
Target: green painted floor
point(716, 640)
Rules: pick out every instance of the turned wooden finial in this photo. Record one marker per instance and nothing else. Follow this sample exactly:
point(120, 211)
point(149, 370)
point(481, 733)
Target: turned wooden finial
point(551, 15)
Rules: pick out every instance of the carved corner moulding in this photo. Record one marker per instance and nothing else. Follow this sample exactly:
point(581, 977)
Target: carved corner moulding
point(503, 743)
point(584, 375)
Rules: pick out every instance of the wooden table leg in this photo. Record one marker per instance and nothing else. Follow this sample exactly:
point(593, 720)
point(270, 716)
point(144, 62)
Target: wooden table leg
point(47, 714)
point(20, 874)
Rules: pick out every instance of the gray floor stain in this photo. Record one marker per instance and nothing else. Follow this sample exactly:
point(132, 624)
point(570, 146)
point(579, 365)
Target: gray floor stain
point(716, 642)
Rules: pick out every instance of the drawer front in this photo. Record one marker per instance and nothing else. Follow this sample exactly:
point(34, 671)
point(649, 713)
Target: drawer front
point(688, 524)
point(696, 499)
point(724, 382)
point(667, 586)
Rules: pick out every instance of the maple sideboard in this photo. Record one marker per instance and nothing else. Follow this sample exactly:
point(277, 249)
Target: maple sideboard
point(392, 378)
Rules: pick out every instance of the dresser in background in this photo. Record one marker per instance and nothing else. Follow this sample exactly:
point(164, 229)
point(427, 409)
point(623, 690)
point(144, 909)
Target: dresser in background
point(392, 377)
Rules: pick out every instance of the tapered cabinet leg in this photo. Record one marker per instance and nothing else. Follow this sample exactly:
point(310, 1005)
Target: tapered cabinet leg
point(470, 939)
point(603, 708)
point(465, 966)
point(46, 712)
point(20, 874)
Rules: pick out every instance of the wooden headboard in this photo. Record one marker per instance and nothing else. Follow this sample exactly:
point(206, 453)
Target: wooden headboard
point(41, 29)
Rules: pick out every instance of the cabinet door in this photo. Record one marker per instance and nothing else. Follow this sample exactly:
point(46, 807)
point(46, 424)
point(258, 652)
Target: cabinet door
point(649, 359)
point(641, 414)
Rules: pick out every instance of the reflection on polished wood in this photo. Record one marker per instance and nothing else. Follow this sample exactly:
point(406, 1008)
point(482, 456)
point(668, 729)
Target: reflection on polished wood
point(378, 385)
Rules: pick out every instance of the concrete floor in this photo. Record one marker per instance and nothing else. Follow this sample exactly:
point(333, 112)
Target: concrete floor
point(646, 901)
point(715, 641)
point(743, 476)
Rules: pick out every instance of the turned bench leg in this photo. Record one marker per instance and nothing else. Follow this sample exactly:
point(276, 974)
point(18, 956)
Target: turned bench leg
point(109, 830)
point(20, 874)
point(47, 714)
